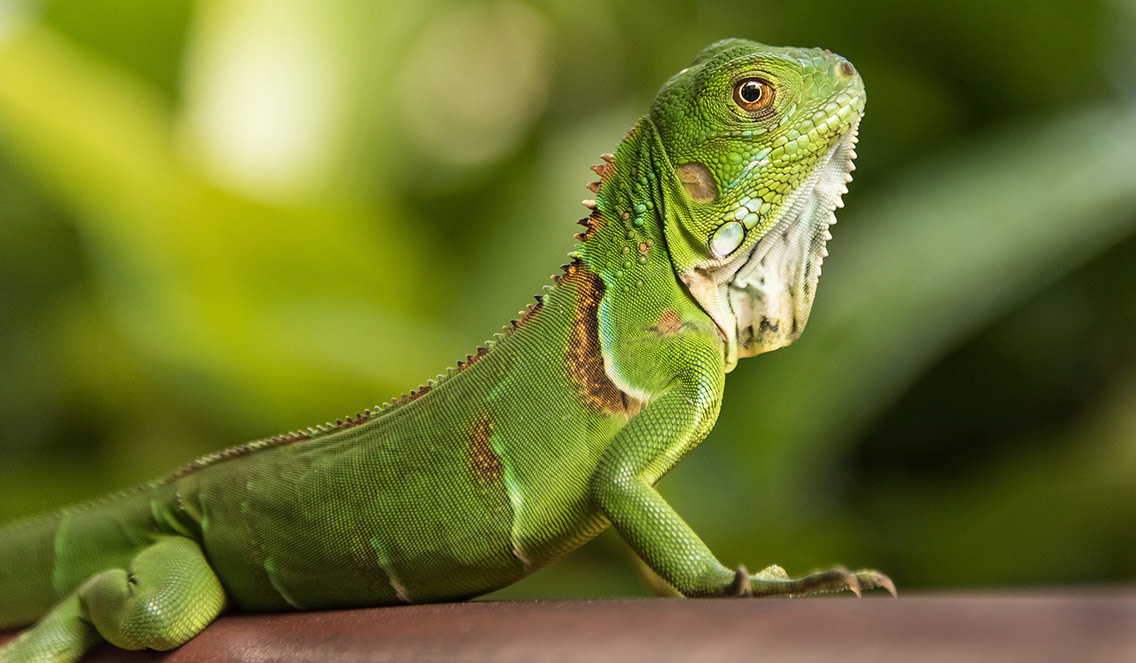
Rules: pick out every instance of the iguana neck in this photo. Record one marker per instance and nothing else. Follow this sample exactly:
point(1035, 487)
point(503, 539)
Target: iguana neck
point(638, 207)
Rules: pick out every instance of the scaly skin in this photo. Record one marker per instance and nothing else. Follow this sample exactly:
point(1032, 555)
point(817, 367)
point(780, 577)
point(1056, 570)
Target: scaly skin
point(703, 245)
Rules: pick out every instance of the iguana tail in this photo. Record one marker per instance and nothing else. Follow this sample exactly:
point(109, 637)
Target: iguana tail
point(43, 558)
point(26, 560)
point(117, 569)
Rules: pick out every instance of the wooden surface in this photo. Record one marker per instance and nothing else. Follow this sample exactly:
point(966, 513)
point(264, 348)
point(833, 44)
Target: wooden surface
point(1082, 626)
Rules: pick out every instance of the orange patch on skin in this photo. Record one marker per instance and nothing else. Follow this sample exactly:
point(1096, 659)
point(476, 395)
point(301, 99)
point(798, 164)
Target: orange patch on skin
point(595, 220)
point(486, 463)
point(669, 324)
point(584, 358)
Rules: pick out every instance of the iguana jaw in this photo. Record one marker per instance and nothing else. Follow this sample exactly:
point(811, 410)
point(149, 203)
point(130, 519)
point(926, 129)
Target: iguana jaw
point(762, 299)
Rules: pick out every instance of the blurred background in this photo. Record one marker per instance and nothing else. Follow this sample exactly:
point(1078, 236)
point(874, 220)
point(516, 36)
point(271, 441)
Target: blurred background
point(225, 219)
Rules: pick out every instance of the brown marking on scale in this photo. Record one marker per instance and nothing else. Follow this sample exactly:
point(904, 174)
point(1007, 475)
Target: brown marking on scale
point(670, 324)
point(244, 450)
point(486, 463)
point(351, 422)
point(604, 170)
point(587, 223)
point(584, 358)
point(568, 270)
point(631, 406)
point(593, 222)
point(470, 360)
point(698, 181)
point(414, 395)
point(526, 315)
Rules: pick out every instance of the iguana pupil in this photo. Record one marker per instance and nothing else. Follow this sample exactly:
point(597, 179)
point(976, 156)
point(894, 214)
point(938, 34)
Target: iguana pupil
point(753, 94)
point(751, 91)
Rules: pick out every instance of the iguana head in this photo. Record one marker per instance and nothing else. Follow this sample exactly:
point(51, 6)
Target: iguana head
point(759, 141)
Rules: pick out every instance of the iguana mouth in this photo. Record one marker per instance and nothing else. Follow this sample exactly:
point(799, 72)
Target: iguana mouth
point(770, 290)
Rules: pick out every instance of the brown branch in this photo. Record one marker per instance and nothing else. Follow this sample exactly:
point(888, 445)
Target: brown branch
point(1072, 625)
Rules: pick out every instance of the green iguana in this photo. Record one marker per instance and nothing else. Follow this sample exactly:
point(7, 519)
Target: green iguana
point(703, 245)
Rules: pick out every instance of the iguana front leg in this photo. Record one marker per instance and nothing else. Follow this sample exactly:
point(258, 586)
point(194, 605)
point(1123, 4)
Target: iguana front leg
point(622, 489)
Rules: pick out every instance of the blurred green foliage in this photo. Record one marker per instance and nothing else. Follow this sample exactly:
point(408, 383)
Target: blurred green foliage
point(227, 219)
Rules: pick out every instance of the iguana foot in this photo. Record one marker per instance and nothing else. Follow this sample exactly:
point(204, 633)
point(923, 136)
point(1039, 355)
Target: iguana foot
point(774, 581)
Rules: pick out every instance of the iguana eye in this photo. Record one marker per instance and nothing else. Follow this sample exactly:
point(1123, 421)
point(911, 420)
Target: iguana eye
point(753, 94)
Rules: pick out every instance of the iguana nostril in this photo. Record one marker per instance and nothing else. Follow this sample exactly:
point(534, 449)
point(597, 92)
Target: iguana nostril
point(846, 68)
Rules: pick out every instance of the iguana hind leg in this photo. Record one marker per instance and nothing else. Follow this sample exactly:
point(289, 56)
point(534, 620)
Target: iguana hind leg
point(166, 596)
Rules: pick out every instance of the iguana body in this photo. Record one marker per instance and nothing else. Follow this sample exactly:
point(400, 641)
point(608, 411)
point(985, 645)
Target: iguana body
point(704, 245)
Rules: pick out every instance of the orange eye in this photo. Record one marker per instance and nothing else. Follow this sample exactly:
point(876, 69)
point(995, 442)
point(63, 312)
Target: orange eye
point(753, 94)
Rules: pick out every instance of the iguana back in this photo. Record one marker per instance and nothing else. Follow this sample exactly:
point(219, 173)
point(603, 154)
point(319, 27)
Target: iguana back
point(452, 491)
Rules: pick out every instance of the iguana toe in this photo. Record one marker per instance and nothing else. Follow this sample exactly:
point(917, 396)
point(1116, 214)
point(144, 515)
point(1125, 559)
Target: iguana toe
point(773, 581)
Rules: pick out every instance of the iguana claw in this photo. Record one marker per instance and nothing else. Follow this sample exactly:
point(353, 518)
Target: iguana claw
point(774, 581)
point(871, 579)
